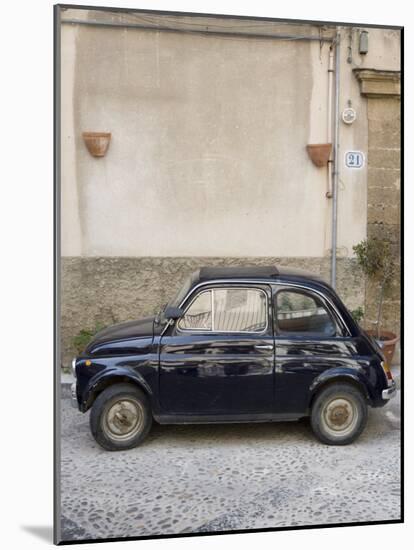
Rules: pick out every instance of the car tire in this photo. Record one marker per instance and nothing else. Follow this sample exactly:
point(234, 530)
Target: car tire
point(120, 417)
point(339, 414)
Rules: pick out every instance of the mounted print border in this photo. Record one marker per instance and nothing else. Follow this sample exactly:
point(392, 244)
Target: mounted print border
point(196, 152)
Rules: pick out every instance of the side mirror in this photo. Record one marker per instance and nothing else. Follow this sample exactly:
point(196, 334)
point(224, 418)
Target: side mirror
point(173, 313)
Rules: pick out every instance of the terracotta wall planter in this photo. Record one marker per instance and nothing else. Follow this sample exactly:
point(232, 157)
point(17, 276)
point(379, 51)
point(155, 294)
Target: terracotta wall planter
point(97, 143)
point(319, 153)
point(388, 340)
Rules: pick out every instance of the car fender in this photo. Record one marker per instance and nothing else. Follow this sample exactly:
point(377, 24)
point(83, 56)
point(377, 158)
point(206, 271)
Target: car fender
point(108, 376)
point(340, 374)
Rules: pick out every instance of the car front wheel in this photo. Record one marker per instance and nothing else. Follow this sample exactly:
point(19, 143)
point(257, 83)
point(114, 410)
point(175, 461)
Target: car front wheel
point(120, 417)
point(339, 414)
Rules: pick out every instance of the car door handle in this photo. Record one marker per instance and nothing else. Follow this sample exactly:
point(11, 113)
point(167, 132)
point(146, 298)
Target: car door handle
point(263, 346)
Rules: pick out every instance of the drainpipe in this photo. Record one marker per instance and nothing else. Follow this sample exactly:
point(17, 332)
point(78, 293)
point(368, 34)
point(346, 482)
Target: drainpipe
point(335, 163)
point(329, 133)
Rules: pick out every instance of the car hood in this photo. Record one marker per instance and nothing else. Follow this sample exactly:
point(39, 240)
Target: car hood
point(140, 328)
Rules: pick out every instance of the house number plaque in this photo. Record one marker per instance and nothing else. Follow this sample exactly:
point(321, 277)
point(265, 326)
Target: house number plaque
point(354, 159)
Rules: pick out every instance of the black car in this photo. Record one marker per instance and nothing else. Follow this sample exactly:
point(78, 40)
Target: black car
point(236, 344)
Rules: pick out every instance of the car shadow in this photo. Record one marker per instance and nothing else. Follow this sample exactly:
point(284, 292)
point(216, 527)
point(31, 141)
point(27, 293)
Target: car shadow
point(227, 434)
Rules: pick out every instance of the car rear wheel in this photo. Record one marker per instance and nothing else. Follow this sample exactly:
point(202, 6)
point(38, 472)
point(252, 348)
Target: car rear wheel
point(120, 418)
point(339, 414)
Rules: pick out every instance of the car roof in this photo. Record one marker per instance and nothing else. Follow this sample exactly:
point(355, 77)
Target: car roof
point(237, 272)
point(267, 273)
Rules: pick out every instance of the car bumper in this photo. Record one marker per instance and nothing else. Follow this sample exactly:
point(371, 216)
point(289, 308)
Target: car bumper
point(390, 392)
point(73, 396)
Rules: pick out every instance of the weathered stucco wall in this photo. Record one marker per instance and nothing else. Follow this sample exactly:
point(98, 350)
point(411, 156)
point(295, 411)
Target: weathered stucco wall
point(208, 152)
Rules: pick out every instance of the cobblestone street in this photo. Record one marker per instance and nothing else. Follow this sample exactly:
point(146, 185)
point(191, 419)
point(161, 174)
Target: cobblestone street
point(225, 477)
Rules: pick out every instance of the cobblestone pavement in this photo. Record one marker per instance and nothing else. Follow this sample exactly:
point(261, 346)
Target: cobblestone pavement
point(223, 477)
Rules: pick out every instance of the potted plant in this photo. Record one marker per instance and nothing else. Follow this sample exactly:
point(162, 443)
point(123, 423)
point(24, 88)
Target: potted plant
point(376, 261)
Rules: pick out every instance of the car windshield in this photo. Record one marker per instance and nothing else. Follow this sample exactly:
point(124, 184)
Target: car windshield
point(181, 294)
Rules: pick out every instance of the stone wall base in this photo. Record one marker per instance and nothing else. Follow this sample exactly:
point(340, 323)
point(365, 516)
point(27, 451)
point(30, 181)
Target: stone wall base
point(113, 289)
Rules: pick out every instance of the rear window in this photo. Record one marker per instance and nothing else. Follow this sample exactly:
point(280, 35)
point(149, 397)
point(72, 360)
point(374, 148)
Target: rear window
point(299, 312)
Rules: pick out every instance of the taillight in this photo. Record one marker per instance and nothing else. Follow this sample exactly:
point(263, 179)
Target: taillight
point(387, 371)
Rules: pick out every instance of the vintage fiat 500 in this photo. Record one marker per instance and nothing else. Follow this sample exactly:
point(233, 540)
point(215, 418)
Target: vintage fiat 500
point(236, 344)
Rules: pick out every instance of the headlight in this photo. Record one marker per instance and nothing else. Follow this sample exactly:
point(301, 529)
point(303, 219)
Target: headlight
point(74, 367)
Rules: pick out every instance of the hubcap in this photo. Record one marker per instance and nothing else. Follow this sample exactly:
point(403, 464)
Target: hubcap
point(339, 417)
point(123, 420)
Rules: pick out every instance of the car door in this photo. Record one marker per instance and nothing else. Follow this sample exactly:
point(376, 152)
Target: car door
point(218, 359)
point(309, 339)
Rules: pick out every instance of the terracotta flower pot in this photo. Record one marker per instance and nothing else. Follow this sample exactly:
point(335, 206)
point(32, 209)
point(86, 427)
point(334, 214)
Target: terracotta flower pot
point(97, 143)
point(319, 153)
point(387, 342)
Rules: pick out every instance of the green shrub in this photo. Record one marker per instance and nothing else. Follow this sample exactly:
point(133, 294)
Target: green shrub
point(84, 336)
point(376, 261)
point(358, 314)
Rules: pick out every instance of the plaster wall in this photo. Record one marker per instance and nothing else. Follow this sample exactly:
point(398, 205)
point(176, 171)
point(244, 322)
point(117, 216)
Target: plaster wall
point(208, 152)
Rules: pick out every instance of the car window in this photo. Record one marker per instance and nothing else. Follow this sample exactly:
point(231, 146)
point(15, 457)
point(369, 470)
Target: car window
point(199, 315)
point(227, 310)
point(299, 312)
point(239, 310)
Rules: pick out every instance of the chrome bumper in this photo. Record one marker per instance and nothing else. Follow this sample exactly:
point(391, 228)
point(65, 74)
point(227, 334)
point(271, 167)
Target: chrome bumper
point(73, 398)
point(390, 392)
